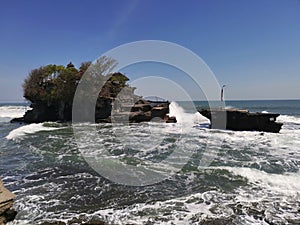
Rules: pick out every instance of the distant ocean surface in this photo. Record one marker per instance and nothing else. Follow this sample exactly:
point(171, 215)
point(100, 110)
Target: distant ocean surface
point(247, 178)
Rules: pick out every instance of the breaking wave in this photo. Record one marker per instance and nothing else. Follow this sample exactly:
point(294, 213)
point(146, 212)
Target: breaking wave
point(9, 112)
point(186, 118)
point(288, 119)
point(28, 129)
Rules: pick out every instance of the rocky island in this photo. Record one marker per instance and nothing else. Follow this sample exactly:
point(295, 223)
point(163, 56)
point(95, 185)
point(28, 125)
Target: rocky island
point(51, 89)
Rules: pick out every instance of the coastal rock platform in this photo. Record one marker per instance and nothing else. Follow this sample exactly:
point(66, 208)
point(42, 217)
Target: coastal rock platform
point(242, 120)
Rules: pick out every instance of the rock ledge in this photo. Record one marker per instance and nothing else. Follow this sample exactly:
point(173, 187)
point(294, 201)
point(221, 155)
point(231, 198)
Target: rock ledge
point(7, 213)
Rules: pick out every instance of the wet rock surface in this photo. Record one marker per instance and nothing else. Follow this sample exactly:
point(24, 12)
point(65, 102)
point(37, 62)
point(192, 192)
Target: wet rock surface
point(7, 213)
point(242, 120)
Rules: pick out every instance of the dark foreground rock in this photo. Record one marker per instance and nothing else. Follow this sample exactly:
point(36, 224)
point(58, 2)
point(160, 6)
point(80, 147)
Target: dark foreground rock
point(7, 213)
point(242, 120)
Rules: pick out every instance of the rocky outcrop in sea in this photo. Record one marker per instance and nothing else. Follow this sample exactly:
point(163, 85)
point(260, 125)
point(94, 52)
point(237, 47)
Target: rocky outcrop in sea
point(242, 120)
point(116, 102)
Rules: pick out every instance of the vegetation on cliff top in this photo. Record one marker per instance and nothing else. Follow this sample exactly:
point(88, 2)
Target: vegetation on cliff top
point(56, 83)
point(51, 90)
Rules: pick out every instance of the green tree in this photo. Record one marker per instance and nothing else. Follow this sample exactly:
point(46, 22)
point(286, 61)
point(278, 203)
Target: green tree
point(84, 66)
point(54, 84)
point(65, 84)
point(39, 85)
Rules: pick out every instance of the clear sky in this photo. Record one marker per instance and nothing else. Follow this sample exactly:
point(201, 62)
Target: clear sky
point(253, 46)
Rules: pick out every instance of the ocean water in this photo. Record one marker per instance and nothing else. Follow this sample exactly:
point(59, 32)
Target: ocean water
point(247, 177)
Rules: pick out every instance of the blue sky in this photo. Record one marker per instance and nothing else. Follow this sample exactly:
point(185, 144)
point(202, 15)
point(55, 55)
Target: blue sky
point(253, 46)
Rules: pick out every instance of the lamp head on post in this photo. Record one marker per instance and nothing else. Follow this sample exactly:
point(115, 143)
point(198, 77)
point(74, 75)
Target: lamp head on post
point(222, 93)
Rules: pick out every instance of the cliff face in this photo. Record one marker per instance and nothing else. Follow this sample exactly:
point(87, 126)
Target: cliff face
point(41, 112)
point(142, 111)
point(105, 111)
point(7, 214)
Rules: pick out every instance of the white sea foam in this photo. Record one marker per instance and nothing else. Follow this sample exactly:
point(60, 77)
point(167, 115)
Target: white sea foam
point(288, 119)
point(264, 189)
point(9, 112)
point(186, 118)
point(28, 129)
point(287, 183)
point(229, 107)
point(184, 210)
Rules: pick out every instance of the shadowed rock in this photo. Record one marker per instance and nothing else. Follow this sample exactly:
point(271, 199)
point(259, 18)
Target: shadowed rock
point(243, 120)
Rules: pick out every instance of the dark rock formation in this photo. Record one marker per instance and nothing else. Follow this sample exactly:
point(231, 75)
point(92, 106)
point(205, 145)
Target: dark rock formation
point(18, 120)
point(116, 102)
point(42, 112)
point(7, 214)
point(243, 120)
point(142, 111)
point(104, 112)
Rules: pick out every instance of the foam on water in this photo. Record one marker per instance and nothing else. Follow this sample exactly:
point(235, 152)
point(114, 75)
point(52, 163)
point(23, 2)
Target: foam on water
point(214, 204)
point(186, 118)
point(285, 119)
point(28, 129)
point(229, 107)
point(177, 211)
point(248, 161)
point(287, 183)
point(9, 112)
